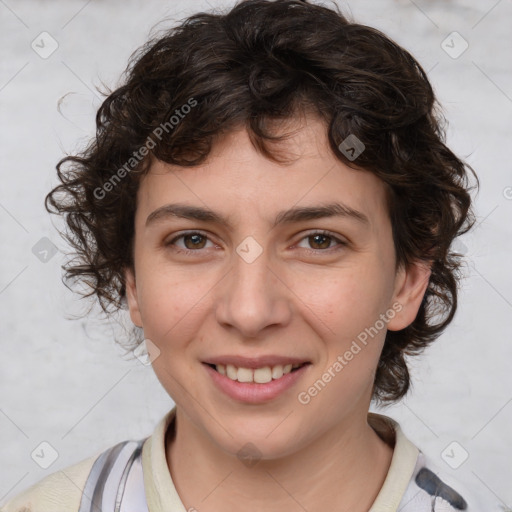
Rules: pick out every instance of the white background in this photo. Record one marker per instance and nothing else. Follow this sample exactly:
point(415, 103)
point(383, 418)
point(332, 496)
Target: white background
point(65, 381)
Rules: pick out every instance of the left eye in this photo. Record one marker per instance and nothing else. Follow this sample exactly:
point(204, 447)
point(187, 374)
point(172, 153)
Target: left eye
point(323, 239)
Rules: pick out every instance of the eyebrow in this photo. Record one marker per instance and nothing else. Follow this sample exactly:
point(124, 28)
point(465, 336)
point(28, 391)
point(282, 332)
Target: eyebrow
point(294, 215)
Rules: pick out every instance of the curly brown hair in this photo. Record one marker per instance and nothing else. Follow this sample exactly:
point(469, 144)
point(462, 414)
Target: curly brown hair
point(265, 61)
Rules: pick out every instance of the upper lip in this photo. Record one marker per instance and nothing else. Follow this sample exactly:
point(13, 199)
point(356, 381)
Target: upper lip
point(255, 362)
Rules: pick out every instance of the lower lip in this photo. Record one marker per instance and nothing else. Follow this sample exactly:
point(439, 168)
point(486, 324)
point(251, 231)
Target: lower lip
point(251, 392)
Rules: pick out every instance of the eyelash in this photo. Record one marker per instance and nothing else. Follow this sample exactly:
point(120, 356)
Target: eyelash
point(341, 243)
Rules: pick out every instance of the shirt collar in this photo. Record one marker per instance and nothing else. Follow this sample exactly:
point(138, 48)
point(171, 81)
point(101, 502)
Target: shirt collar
point(162, 496)
point(403, 462)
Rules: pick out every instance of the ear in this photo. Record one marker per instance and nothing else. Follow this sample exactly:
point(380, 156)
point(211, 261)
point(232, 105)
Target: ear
point(131, 297)
point(410, 286)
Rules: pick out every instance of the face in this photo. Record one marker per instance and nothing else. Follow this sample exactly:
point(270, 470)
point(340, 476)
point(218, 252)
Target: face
point(263, 279)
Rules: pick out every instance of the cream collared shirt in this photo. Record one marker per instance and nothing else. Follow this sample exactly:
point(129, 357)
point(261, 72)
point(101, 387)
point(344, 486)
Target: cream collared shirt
point(412, 484)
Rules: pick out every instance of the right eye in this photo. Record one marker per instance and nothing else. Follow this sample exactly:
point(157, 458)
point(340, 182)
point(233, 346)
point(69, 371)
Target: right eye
point(193, 242)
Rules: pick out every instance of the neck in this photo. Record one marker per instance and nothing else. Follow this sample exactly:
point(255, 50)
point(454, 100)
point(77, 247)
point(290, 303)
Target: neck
point(342, 470)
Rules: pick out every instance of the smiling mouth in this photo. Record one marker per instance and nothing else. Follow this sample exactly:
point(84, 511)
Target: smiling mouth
point(261, 375)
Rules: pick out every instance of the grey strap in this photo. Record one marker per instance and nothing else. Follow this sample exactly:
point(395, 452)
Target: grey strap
point(105, 485)
point(122, 484)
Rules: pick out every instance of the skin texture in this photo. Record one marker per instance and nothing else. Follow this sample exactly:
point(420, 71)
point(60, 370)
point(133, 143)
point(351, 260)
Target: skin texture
point(303, 296)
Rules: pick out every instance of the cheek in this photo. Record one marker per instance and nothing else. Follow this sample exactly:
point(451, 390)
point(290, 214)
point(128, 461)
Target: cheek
point(345, 301)
point(173, 305)
point(171, 302)
point(346, 313)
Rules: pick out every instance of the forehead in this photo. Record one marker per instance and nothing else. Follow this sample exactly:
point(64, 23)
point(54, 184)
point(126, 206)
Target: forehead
point(238, 182)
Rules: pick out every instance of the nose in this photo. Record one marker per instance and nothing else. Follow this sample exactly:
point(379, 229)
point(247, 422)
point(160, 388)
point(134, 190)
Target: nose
point(253, 297)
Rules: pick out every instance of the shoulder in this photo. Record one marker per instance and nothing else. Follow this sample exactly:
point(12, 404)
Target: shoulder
point(415, 483)
point(58, 492)
point(433, 489)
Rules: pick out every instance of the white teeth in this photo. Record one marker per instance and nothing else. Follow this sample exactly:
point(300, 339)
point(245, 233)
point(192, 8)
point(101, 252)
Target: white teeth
point(245, 375)
point(259, 375)
point(231, 372)
point(262, 375)
point(277, 372)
